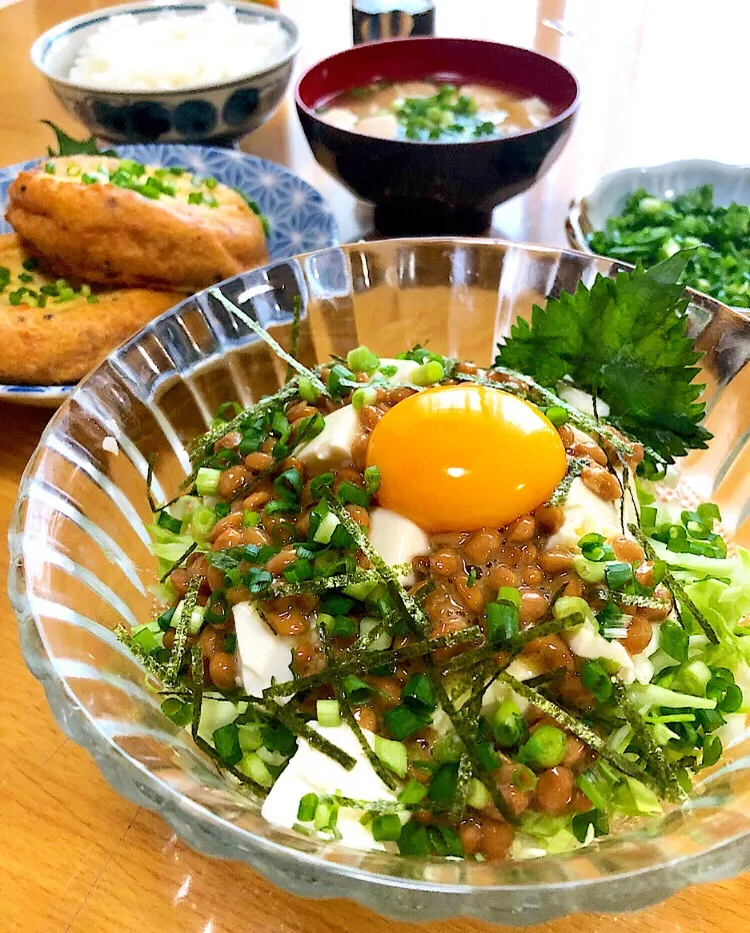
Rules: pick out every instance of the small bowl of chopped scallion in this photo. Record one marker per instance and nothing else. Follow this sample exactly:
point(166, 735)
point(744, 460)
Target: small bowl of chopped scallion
point(644, 215)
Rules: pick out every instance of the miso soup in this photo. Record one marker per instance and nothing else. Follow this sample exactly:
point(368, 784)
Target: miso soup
point(432, 111)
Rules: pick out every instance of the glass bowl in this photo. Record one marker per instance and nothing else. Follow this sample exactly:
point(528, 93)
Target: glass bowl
point(80, 563)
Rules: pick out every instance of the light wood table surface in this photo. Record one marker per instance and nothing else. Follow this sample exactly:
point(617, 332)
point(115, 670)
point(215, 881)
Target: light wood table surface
point(661, 79)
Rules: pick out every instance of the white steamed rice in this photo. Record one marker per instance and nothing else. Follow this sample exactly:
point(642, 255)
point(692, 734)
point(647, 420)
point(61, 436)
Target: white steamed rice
point(177, 50)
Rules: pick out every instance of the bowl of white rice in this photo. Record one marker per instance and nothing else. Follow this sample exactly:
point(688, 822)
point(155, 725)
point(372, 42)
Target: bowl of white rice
point(170, 72)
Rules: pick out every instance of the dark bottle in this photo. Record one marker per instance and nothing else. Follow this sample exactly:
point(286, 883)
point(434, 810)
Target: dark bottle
point(391, 19)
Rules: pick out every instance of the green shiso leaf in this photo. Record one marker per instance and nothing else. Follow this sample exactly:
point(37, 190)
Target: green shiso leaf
point(623, 340)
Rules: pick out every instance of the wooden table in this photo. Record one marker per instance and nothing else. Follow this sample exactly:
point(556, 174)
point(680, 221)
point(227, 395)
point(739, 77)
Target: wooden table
point(660, 81)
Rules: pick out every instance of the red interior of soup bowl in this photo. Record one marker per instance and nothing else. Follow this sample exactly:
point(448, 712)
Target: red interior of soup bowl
point(458, 61)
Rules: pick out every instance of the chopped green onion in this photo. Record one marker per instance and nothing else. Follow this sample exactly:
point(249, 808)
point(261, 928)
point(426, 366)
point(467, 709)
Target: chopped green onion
point(250, 519)
point(428, 373)
point(372, 479)
point(308, 805)
point(478, 796)
point(362, 360)
point(708, 513)
point(165, 618)
point(448, 749)
point(363, 397)
point(227, 743)
point(597, 783)
point(444, 783)
point(594, 548)
point(253, 767)
point(180, 713)
point(508, 724)
point(509, 594)
point(712, 750)
point(618, 574)
point(413, 792)
point(582, 822)
point(289, 483)
point(403, 722)
point(165, 520)
point(337, 605)
point(328, 712)
point(146, 639)
point(445, 840)
point(694, 677)
point(524, 778)
point(414, 840)
point(557, 415)
point(324, 481)
point(257, 580)
point(419, 693)
point(596, 680)
point(337, 376)
point(502, 622)
point(251, 737)
point(386, 827)
point(674, 640)
point(355, 688)
point(202, 521)
point(545, 748)
point(300, 570)
point(207, 481)
point(326, 815)
point(307, 390)
point(392, 754)
point(348, 492)
point(340, 626)
point(325, 529)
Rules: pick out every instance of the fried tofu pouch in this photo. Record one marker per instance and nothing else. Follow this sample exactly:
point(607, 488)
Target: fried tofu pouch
point(59, 342)
point(88, 217)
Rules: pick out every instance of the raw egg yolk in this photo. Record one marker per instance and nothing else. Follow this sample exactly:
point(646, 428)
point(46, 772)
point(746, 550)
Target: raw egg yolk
point(458, 458)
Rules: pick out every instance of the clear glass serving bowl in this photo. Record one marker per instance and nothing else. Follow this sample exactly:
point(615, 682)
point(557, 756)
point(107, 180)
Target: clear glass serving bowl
point(80, 562)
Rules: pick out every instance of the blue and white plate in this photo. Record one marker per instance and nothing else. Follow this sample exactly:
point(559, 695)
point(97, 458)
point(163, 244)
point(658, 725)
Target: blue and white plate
point(299, 219)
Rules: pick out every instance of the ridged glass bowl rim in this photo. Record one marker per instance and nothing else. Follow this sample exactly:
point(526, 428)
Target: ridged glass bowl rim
point(194, 822)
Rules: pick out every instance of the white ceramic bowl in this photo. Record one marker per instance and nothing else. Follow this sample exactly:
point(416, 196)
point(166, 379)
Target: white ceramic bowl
point(210, 114)
point(590, 213)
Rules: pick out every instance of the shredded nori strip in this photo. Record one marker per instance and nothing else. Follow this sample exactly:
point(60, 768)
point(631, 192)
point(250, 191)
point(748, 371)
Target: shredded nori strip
point(154, 667)
point(294, 340)
point(261, 332)
point(181, 631)
point(196, 668)
point(348, 716)
point(486, 652)
point(361, 662)
point(676, 588)
point(575, 468)
point(180, 561)
point(414, 616)
point(319, 584)
point(650, 747)
point(300, 728)
point(629, 599)
point(203, 445)
point(382, 806)
point(580, 729)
